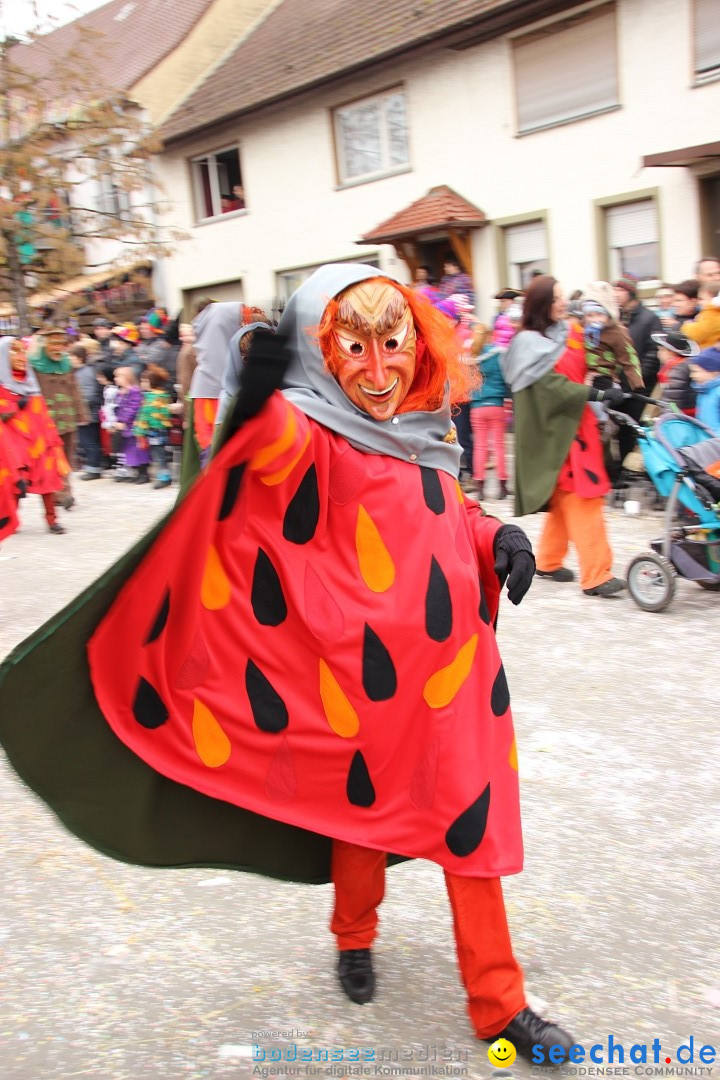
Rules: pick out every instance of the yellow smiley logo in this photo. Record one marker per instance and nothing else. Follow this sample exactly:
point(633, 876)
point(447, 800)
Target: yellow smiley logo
point(501, 1054)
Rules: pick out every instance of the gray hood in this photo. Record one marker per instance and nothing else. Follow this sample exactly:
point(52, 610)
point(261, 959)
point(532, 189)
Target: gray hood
point(530, 355)
point(415, 436)
point(213, 328)
point(27, 386)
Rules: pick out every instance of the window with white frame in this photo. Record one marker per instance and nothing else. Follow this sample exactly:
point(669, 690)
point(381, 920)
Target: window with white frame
point(706, 20)
point(566, 70)
point(631, 231)
point(217, 183)
point(526, 252)
point(371, 136)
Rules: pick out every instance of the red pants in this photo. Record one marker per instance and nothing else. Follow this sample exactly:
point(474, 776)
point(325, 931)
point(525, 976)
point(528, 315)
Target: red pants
point(488, 428)
point(582, 522)
point(49, 504)
point(490, 973)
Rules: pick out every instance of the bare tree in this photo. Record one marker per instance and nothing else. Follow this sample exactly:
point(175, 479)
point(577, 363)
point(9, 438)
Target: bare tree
point(77, 190)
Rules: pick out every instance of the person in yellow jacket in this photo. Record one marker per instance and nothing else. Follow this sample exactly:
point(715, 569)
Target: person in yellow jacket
point(705, 327)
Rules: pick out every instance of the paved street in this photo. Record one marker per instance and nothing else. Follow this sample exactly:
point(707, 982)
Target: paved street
point(115, 972)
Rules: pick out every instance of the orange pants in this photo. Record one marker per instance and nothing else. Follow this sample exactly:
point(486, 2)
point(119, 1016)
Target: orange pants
point(490, 973)
point(581, 521)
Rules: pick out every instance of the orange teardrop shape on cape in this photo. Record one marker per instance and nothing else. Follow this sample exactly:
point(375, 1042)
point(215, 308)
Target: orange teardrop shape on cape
point(340, 714)
point(211, 742)
point(512, 756)
point(442, 687)
point(215, 588)
point(376, 565)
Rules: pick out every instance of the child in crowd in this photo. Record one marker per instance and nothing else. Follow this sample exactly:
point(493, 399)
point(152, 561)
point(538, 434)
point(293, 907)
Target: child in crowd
point(487, 413)
point(705, 327)
point(504, 329)
point(705, 373)
point(675, 353)
point(110, 439)
point(88, 433)
point(127, 405)
point(154, 420)
point(609, 352)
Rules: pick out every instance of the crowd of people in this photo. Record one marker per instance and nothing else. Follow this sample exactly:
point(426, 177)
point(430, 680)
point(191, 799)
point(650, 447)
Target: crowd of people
point(115, 400)
point(108, 403)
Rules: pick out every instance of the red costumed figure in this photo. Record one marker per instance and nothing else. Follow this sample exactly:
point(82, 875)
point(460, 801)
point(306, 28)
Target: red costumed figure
point(8, 482)
point(35, 445)
point(310, 675)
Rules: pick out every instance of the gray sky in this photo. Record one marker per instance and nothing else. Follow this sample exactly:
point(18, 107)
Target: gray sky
point(19, 16)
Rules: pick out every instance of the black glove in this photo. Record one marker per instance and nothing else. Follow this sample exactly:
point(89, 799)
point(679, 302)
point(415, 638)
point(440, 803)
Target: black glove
point(612, 396)
point(514, 560)
point(263, 372)
point(20, 489)
point(22, 403)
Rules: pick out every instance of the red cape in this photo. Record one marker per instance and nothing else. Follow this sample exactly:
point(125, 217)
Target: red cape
point(311, 639)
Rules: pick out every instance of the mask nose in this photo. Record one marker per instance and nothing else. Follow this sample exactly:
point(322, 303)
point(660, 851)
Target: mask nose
point(376, 366)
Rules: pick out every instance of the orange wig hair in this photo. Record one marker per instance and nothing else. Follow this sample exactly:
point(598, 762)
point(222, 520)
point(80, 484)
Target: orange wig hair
point(439, 362)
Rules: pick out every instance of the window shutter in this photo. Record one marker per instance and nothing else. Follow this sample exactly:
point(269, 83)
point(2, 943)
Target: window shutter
point(568, 72)
point(526, 243)
point(631, 224)
point(707, 36)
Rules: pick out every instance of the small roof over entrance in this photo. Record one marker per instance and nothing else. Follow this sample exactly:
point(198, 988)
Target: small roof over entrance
point(440, 217)
point(688, 155)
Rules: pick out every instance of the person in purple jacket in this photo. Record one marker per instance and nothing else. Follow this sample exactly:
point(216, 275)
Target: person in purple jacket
point(127, 403)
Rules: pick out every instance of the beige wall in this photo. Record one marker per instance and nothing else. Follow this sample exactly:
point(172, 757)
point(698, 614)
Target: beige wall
point(225, 21)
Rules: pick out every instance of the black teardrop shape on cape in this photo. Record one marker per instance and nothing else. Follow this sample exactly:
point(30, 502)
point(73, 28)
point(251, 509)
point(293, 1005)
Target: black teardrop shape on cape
point(378, 671)
point(268, 708)
point(592, 476)
point(232, 490)
point(465, 834)
point(483, 611)
point(438, 604)
point(160, 620)
point(149, 708)
point(500, 695)
point(266, 597)
point(360, 790)
point(303, 512)
point(432, 490)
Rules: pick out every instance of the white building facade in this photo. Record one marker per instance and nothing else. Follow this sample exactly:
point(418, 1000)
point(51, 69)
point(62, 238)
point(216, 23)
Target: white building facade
point(588, 140)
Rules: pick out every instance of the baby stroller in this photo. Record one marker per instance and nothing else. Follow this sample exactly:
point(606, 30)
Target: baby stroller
point(682, 458)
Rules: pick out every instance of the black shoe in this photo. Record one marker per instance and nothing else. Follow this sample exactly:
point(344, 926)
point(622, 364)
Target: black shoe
point(357, 977)
point(503, 493)
point(161, 484)
point(143, 478)
point(528, 1030)
point(56, 527)
point(90, 476)
point(608, 588)
point(563, 573)
point(480, 488)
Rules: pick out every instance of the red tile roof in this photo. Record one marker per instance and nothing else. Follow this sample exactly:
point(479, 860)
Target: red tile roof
point(440, 208)
point(304, 43)
point(126, 38)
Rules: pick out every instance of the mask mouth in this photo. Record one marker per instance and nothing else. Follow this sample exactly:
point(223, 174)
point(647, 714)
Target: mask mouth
point(380, 394)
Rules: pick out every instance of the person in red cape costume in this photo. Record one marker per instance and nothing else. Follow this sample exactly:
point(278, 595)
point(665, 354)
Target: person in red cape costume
point(313, 639)
point(34, 445)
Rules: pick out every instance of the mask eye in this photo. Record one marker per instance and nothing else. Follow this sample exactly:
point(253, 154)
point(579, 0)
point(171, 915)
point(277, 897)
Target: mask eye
point(352, 346)
point(396, 341)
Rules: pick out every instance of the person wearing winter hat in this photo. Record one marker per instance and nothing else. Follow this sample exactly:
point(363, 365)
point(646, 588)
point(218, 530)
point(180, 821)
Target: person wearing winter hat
point(123, 342)
point(674, 353)
point(609, 352)
point(152, 346)
point(705, 373)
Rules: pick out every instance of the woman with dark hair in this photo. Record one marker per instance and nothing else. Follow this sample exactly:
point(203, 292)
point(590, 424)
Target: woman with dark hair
point(558, 451)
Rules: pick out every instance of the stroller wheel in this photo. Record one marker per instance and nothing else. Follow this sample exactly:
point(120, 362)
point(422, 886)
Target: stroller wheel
point(651, 581)
point(711, 586)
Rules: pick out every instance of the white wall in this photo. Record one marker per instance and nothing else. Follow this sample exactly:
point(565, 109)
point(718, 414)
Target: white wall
point(462, 131)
